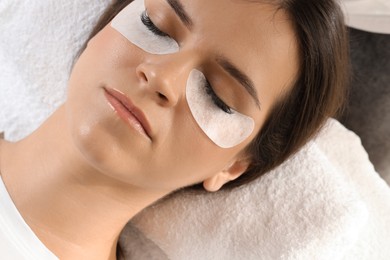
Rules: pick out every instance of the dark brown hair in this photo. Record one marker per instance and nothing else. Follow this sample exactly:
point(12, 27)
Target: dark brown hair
point(319, 92)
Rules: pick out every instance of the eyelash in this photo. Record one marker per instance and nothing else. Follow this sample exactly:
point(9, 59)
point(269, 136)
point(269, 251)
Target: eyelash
point(145, 19)
point(216, 100)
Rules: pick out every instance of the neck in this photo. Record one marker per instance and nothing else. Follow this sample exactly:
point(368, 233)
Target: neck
point(75, 210)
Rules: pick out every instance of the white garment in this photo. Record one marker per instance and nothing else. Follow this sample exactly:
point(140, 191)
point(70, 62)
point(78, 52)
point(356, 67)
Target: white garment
point(17, 240)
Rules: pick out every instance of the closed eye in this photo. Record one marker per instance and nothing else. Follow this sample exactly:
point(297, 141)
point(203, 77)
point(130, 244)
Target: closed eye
point(216, 100)
point(135, 25)
point(145, 19)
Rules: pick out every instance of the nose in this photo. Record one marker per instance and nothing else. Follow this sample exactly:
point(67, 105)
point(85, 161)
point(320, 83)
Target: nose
point(164, 77)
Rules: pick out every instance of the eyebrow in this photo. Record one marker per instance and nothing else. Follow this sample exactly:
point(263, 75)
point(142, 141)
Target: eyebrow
point(181, 13)
point(240, 76)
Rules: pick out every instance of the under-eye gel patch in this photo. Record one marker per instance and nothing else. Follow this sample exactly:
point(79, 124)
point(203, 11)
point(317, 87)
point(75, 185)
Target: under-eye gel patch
point(128, 23)
point(224, 129)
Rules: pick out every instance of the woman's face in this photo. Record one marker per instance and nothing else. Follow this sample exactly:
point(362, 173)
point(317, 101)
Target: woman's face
point(247, 51)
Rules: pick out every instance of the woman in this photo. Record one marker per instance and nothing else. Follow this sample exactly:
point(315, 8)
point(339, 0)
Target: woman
point(169, 94)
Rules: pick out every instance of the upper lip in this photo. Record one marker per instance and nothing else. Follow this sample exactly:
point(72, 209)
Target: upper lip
point(121, 97)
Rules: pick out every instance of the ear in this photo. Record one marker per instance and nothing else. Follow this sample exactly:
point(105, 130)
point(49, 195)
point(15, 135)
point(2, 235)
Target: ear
point(230, 173)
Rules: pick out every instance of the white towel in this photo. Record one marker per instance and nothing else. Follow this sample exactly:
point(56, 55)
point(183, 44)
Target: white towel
point(38, 42)
point(326, 202)
point(368, 15)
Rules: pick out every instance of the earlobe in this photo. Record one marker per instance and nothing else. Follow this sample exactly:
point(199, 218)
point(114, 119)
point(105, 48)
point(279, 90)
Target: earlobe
point(231, 173)
point(214, 183)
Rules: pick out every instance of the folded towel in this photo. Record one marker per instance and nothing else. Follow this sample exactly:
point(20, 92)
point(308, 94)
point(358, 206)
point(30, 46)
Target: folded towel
point(326, 202)
point(38, 43)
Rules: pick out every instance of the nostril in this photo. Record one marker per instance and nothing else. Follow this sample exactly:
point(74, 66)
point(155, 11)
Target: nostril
point(162, 96)
point(142, 76)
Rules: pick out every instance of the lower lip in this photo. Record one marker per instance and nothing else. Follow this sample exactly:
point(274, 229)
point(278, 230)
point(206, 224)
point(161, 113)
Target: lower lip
point(125, 114)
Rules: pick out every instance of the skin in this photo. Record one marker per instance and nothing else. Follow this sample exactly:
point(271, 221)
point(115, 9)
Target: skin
point(85, 172)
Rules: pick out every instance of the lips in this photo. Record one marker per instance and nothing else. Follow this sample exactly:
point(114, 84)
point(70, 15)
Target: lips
point(126, 110)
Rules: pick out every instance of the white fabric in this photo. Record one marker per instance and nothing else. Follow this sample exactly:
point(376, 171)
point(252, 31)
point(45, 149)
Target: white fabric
point(368, 15)
point(17, 240)
point(38, 43)
point(327, 202)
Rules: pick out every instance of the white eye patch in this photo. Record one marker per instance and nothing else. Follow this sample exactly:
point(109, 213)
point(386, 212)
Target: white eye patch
point(224, 129)
point(128, 22)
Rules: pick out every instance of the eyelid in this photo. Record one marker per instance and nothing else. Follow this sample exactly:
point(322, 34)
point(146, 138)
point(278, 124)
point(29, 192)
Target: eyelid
point(147, 21)
point(216, 99)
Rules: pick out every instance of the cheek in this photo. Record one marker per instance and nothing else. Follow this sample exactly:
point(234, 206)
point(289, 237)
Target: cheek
point(109, 52)
point(106, 61)
point(188, 156)
point(89, 116)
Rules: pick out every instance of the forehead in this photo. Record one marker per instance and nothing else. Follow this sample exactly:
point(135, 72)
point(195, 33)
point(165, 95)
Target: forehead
point(257, 37)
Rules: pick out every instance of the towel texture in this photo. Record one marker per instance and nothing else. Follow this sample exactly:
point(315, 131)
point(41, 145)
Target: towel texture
point(326, 202)
point(38, 43)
